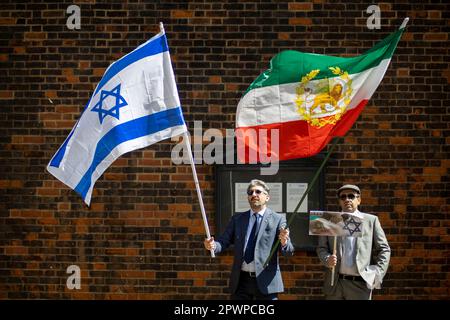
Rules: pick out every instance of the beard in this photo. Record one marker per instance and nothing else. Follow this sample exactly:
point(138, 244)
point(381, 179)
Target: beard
point(256, 203)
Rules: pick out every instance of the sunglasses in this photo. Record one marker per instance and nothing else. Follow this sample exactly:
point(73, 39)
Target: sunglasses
point(350, 196)
point(257, 191)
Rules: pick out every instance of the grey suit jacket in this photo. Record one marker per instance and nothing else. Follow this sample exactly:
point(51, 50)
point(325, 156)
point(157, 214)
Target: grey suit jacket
point(269, 279)
point(372, 249)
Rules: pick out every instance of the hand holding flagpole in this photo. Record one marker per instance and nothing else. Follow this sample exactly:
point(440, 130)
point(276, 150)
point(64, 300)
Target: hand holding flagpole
point(334, 253)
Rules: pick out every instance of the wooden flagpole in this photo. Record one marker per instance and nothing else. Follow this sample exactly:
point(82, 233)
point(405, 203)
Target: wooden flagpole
point(197, 187)
point(334, 253)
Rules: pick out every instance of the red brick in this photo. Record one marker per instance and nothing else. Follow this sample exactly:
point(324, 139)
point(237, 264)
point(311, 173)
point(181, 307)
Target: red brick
point(16, 250)
point(64, 236)
point(300, 21)
point(35, 36)
point(11, 184)
point(48, 221)
point(19, 50)
point(402, 72)
point(435, 36)
point(446, 74)
point(6, 94)
point(306, 6)
point(180, 207)
point(284, 35)
point(434, 14)
point(115, 176)
point(47, 192)
point(148, 177)
point(401, 140)
point(385, 6)
point(215, 79)
point(7, 21)
point(181, 14)
point(33, 139)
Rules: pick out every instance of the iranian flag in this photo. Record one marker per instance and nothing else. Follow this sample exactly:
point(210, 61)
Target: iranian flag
point(293, 109)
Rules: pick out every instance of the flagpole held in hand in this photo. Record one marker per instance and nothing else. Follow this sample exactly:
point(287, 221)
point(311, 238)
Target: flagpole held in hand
point(334, 253)
point(197, 187)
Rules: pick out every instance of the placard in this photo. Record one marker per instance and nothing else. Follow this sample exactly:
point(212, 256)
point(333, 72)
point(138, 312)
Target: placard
point(329, 223)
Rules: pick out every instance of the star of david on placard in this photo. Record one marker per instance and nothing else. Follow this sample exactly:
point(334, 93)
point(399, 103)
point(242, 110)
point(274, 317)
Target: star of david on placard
point(114, 111)
point(353, 222)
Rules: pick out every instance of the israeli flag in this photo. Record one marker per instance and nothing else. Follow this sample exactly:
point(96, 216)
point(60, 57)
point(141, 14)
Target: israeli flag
point(135, 105)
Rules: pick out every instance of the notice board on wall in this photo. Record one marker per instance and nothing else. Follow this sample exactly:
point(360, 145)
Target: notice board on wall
point(286, 190)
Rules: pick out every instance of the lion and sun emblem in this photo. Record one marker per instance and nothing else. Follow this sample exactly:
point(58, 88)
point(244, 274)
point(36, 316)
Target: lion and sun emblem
point(324, 101)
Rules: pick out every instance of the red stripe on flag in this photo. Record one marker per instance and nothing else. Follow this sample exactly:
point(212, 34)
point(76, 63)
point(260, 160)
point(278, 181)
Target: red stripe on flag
point(297, 139)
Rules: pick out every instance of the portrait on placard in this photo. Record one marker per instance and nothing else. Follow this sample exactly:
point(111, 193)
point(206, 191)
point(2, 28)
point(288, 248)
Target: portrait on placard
point(329, 223)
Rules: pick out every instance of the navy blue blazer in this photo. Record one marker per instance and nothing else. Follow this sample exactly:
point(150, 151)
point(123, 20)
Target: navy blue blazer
point(269, 279)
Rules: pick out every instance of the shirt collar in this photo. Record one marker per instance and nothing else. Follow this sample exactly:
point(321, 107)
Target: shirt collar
point(355, 213)
point(359, 214)
point(260, 213)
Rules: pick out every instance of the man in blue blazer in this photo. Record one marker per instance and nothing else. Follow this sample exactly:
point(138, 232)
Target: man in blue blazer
point(253, 233)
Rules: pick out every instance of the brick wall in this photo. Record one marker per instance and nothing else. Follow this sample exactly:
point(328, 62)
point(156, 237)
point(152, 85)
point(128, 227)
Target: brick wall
point(142, 236)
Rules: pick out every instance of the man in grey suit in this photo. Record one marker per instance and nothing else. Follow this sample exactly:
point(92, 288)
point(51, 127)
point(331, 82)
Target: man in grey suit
point(253, 233)
point(355, 273)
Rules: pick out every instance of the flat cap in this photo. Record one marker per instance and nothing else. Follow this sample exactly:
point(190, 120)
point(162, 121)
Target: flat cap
point(348, 187)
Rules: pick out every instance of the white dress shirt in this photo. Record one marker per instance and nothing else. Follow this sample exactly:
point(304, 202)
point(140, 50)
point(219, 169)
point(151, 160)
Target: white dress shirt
point(348, 254)
point(348, 261)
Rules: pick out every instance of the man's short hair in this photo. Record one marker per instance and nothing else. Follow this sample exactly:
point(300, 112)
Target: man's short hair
point(258, 183)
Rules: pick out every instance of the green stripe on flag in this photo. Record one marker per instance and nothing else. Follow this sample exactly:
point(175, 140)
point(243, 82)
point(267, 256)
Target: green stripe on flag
point(290, 66)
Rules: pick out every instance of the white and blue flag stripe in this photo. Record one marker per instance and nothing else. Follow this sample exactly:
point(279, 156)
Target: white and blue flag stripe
point(134, 105)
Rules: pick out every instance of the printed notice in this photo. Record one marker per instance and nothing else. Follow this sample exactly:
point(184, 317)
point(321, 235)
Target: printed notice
point(240, 197)
point(276, 196)
point(294, 193)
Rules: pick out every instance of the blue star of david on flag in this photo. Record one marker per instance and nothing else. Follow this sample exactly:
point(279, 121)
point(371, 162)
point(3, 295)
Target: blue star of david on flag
point(114, 111)
point(356, 225)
